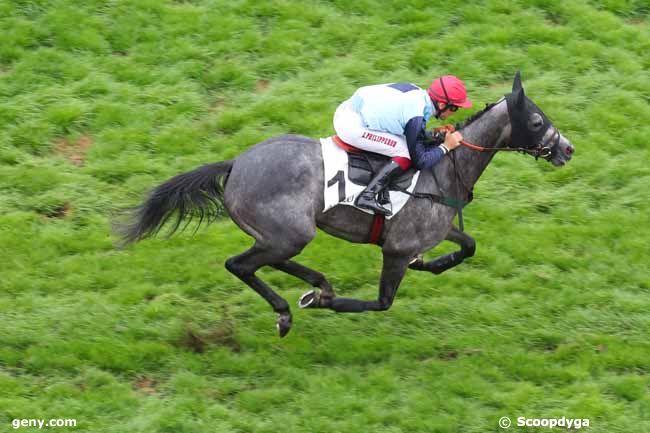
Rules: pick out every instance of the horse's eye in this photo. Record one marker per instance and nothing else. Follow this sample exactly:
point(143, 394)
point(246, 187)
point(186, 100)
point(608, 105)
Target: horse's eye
point(535, 122)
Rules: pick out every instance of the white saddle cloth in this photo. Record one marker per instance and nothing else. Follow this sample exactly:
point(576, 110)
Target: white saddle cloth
point(339, 189)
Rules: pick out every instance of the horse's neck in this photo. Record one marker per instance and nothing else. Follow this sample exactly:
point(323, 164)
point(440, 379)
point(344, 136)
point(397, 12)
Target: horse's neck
point(490, 130)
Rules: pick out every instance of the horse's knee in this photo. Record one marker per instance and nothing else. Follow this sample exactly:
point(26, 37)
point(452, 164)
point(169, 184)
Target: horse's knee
point(467, 243)
point(468, 247)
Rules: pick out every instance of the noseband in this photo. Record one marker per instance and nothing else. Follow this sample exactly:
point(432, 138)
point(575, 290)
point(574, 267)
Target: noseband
point(543, 149)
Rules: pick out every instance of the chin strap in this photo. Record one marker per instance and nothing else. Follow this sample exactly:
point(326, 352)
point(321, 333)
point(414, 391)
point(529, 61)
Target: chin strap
point(437, 110)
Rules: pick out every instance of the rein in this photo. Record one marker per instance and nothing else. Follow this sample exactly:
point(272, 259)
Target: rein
point(540, 151)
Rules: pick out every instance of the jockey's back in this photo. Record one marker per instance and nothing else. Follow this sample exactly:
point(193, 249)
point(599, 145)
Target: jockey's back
point(389, 107)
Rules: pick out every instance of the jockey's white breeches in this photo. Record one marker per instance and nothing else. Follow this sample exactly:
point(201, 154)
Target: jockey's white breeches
point(349, 126)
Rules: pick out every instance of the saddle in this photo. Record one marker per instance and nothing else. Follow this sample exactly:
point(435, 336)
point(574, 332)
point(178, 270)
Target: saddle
point(363, 165)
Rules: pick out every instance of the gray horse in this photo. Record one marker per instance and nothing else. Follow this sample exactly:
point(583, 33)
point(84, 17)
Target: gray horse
point(274, 192)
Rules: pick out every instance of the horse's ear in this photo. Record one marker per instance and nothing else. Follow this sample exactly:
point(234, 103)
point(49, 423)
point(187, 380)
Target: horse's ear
point(516, 84)
point(520, 98)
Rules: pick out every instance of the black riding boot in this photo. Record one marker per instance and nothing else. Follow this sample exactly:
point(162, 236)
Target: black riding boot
point(367, 199)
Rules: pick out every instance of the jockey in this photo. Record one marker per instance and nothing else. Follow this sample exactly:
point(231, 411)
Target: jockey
point(390, 119)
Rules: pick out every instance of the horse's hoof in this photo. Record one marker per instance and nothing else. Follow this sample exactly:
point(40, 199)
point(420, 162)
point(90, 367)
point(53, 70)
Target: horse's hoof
point(284, 324)
point(308, 300)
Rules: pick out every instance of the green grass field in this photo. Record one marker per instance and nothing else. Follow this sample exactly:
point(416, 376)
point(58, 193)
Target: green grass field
point(102, 100)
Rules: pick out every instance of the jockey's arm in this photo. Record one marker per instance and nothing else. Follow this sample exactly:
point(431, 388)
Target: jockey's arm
point(423, 157)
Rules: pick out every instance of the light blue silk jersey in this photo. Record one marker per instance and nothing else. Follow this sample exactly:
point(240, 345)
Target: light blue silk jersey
point(389, 107)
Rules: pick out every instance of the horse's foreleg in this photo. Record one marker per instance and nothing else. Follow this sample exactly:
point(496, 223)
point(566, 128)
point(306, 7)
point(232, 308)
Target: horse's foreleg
point(447, 261)
point(244, 266)
point(393, 271)
point(310, 299)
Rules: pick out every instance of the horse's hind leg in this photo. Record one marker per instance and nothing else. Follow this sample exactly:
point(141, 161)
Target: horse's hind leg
point(393, 270)
point(310, 299)
point(244, 267)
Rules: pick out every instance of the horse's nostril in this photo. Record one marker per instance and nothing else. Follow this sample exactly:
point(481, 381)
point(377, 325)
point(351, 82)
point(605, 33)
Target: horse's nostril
point(569, 150)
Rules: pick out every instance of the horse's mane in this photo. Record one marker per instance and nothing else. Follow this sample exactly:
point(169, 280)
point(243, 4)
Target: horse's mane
point(475, 116)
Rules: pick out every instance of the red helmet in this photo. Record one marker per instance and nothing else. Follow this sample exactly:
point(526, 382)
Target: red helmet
point(450, 90)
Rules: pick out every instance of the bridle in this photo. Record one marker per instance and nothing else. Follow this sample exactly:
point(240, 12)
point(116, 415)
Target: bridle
point(543, 149)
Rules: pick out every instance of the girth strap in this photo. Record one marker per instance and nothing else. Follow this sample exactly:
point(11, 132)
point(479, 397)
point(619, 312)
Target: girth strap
point(376, 229)
point(447, 201)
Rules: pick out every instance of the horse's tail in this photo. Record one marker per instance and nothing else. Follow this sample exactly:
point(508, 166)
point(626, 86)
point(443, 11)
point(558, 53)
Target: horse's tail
point(197, 193)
